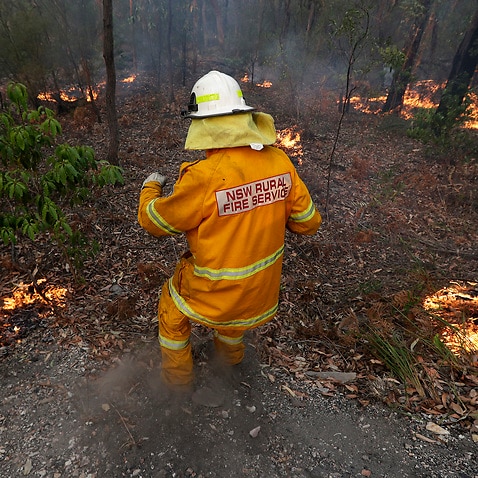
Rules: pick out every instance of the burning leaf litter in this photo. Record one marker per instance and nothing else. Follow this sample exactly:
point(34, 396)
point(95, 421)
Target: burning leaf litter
point(424, 94)
point(289, 140)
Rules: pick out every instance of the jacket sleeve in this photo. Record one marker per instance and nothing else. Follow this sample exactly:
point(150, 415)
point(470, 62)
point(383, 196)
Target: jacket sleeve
point(304, 217)
point(174, 214)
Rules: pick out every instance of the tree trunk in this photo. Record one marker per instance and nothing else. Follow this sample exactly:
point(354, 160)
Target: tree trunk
point(402, 77)
point(90, 93)
point(219, 23)
point(195, 37)
point(132, 16)
point(108, 55)
point(285, 24)
point(170, 52)
point(461, 74)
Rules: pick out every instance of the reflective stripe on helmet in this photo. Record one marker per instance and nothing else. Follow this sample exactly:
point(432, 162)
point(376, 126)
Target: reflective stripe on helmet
point(239, 272)
point(205, 98)
point(187, 310)
point(213, 97)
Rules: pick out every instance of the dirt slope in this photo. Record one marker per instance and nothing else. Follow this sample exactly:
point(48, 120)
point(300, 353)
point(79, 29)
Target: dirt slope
point(61, 418)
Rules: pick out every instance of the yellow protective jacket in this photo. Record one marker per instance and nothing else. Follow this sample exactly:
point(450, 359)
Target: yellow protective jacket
point(234, 208)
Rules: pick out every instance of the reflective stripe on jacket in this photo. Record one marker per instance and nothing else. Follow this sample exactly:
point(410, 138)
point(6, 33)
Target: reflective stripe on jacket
point(234, 207)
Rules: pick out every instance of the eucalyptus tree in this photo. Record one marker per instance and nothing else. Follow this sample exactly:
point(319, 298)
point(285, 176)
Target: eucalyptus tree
point(25, 44)
point(461, 74)
point(420, 11)
point(108, 54)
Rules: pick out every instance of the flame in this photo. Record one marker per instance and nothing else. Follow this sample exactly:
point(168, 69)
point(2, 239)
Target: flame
point(289, 139)
point(71, 95)
point(472, 123)
point(456, 306)
point(423, 94)
point(368, 105)
point(46, 97)
point(264, 84)
point(22, 296)
point(129, 79)
point(26, 302)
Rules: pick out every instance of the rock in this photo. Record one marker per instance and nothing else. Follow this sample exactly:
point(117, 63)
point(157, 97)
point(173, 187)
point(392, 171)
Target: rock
point(27, 467)
point(255, 432)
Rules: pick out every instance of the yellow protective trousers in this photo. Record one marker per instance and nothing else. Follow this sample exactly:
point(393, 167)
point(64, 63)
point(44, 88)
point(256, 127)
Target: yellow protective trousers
point(174, 339)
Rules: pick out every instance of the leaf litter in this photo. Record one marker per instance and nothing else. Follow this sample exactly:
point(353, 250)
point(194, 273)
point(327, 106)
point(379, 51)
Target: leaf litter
point(397, 258)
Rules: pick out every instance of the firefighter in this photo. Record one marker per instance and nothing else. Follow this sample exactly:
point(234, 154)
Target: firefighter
point(234, 207)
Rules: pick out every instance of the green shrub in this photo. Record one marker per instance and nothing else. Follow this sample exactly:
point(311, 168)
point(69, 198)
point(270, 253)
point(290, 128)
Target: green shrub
point(444, 130)
point(39, 179)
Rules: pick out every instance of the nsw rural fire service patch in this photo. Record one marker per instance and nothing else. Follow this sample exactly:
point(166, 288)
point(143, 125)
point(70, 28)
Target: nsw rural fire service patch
point(249, 196)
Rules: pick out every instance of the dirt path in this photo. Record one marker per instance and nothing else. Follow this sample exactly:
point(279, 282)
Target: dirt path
point(62, 417)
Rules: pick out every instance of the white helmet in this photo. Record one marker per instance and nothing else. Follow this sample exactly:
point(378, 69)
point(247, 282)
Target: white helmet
point(216, 94)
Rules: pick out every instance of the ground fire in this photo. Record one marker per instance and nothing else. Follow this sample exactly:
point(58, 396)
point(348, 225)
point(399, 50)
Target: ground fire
point(263, 84)
point(455, 311)
point(289, 140)
point(423, 94)
point(26, 307)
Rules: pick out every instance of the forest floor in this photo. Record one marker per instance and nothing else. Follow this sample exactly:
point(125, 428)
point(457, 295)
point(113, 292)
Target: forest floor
point(394, 267)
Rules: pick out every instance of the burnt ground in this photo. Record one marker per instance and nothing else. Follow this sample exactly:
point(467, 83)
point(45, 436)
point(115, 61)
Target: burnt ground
point(80, 361)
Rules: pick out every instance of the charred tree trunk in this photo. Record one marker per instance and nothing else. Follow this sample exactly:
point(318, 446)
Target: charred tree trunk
point(402, 77)
point(108, 54)
point(204, 25)
point(461, 74)
point(219, 23)
point(196, 36)
point(90, 93)
point(170, 52)
point(132, 17)
point(159, 48)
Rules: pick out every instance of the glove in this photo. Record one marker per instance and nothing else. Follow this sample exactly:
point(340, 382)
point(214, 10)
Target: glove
point(157, 178)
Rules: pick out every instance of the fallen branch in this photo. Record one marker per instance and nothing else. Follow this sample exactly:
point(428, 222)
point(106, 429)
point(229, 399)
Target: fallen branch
point(133, 441)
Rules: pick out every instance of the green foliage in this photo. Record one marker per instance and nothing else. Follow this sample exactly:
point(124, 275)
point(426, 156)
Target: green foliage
point(392, 56)
point(430, 124)
point(350, 32)
point(388, 186)
point(438, 128)
point(370, 286)
point(39, 180)
point(397, 357)
point(412, 8)
point(443, 350)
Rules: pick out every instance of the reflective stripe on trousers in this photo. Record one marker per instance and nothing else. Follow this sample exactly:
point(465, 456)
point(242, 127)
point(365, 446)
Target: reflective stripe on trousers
point(229, 345)
point(174, 333)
